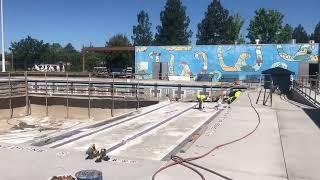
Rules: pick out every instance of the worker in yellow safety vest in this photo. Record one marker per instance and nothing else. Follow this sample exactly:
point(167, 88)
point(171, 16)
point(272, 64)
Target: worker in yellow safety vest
point(201, 98)
point(237, 94)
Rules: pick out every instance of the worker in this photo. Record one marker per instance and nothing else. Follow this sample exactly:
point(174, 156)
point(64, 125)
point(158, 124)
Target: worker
point(237, 94)
point(201, 98)
point(92, 152)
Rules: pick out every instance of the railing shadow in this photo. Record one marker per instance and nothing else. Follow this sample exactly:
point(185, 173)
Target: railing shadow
point(314, 115)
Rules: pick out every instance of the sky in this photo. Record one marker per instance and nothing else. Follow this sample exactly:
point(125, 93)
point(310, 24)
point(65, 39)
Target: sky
point(85, 22)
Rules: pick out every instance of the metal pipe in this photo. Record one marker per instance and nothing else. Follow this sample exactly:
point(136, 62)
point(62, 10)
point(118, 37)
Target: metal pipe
point(2, 34)
point(12, 61)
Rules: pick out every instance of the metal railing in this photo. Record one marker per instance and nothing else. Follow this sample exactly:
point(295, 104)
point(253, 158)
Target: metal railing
point(309, 86)
point(48, 87)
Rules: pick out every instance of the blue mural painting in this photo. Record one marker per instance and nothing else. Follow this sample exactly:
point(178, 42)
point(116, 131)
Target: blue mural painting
point(222, 60)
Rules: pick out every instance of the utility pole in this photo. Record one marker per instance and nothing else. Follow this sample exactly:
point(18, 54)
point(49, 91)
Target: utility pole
point(2, 32)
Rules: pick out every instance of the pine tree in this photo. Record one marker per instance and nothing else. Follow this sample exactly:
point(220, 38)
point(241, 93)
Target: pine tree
point(174, 28)
point(235, 25)
point(300, 34)
point(316, 34)
point(215, 27)
point(286, 34)
point(142, 35)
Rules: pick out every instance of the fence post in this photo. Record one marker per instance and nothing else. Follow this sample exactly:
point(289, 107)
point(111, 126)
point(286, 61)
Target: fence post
point(10, 96)
point(138, 93)
point(67, 75)
point(89, 97)
point(27, 93)
point(112, 96)
point(211, 91)
point(45, 77)
point(318, 84)
point(306, 81)
point(315, 87)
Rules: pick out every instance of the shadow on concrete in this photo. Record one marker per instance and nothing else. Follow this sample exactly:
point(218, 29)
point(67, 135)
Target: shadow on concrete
point(314, 114)
point(297, 100)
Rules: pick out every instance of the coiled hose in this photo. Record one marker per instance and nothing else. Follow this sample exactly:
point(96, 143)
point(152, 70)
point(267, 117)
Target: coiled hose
point(187, 162)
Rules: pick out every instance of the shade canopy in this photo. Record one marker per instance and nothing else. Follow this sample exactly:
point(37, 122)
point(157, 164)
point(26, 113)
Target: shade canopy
point(277, 71)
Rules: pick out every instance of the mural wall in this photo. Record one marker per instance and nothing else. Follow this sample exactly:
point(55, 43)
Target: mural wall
point(225, 60)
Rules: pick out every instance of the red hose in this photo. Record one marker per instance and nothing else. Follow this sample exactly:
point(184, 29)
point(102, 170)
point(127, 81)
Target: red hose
point(185, 161)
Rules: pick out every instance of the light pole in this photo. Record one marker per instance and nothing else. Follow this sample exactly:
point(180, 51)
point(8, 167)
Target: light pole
point(3, 55)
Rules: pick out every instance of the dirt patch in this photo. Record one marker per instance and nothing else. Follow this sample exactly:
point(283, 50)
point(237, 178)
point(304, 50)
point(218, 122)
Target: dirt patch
point(57, 118)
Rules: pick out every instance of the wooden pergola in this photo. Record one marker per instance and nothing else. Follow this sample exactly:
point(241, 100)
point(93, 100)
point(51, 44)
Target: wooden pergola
point(119, 49)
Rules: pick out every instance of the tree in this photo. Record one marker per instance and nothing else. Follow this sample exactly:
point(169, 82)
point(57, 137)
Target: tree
point(28, 51)
point(300, 34)
point(218, 27)
point(174, 25)
point(69, 48)
point(52, 54)
point(316, 34)
point(118, 40)
point(94, 60)
point(266, 26)
point(142, 35)
point(235, 25)
point(286, 34)
point(120, 60)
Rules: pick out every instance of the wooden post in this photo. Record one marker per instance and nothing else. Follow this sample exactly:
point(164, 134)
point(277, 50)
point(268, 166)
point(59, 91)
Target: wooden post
point(112, 96)
point(89, 97)
point(211, 92)
point(45, 77)
point(137, 94)
point(10, 96)
point(83, 62)
point(27, 94)
point(67, 75)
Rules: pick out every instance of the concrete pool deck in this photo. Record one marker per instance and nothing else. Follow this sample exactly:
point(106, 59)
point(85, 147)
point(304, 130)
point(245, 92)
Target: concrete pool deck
point(285, 146)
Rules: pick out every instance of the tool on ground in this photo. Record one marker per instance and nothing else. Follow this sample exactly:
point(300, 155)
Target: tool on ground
point(92, 153)
point(63, 178)
point(102, 156)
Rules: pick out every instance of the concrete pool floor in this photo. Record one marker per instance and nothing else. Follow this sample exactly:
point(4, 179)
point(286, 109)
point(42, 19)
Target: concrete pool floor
point(285, 146)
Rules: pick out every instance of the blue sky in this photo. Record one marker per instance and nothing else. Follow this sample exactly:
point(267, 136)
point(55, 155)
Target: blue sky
point(82, 22)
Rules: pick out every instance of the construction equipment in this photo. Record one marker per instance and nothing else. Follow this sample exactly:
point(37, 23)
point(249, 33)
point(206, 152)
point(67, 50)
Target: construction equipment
point(102, 156)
